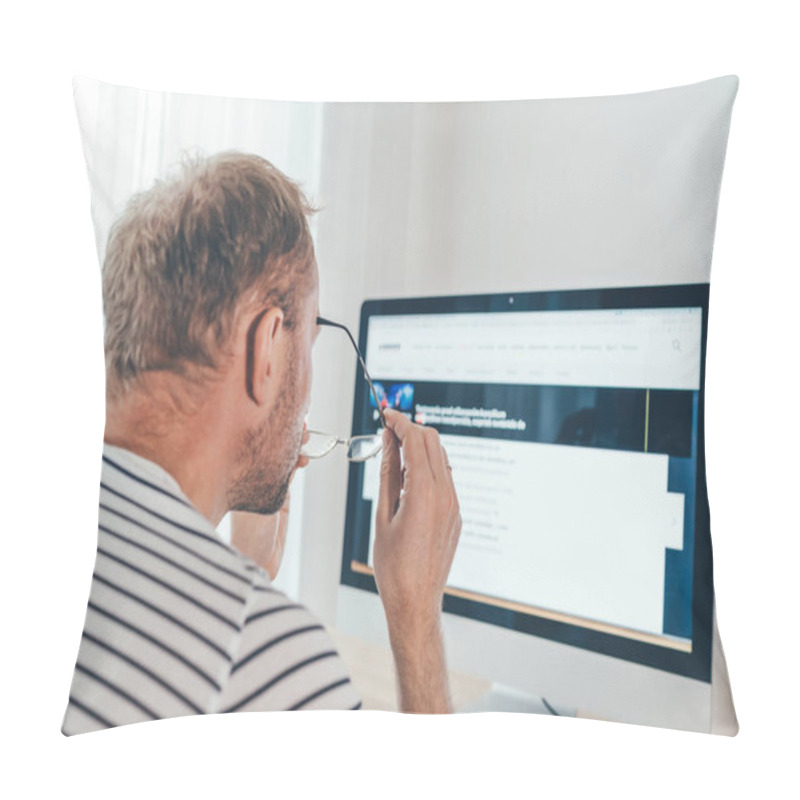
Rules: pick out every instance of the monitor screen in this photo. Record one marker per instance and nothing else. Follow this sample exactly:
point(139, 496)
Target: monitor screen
point(574, 425)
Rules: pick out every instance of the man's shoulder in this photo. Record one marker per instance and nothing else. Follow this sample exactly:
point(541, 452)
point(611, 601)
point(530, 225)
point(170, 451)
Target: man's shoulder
point(269, 639)
point(284, 658)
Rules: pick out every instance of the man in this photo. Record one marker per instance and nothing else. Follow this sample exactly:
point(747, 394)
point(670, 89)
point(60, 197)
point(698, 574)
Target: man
point(210, 293)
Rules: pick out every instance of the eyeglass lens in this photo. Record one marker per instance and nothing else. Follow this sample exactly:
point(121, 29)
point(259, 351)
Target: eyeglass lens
point(364, 447)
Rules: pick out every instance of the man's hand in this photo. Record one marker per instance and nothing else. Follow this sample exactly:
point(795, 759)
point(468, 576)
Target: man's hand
point(262, 537)
point(418, 525)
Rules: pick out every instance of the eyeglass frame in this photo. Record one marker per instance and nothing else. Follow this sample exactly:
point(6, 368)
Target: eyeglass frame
point(338, 440)
point(331, 324)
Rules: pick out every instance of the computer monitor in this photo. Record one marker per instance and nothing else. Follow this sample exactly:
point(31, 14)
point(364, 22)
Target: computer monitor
point(573, 421)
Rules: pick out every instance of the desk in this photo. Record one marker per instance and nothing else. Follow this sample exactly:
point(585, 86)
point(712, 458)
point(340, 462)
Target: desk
point(372, 672)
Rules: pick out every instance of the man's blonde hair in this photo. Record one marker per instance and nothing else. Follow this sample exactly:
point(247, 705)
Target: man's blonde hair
point(186, 254)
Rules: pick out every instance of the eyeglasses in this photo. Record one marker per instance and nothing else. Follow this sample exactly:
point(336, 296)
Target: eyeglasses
point(359, 448)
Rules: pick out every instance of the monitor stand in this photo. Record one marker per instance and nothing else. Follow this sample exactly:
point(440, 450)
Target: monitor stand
point(505, 698)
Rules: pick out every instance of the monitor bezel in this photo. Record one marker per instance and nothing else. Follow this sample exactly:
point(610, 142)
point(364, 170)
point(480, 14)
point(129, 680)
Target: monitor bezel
point(695, 664)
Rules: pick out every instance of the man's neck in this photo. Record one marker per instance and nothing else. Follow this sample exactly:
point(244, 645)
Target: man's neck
point(190, 442)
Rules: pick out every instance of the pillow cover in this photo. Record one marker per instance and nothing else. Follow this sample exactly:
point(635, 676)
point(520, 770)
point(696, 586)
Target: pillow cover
point(569, 240)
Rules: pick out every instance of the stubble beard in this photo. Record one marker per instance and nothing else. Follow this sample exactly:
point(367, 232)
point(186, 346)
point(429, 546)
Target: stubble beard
point(269, 453)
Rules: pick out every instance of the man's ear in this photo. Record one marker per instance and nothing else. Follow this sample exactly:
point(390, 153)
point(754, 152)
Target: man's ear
point(263, 351)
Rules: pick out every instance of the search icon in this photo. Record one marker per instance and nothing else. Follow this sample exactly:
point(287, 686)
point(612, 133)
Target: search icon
point(676, 345)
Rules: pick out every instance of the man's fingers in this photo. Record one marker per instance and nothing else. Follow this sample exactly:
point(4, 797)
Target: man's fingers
point(411, 438)
point(399, 423)
point(436, 455)
point(391, 478)
point(454, 517)
point(448, 471)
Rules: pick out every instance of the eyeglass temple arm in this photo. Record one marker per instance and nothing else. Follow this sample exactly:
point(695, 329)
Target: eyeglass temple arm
point(323, 321)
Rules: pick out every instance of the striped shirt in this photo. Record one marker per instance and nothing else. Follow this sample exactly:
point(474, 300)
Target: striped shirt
point(178, 622)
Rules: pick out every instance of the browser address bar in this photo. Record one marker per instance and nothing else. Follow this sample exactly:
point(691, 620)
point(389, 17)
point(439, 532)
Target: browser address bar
point(648, 348)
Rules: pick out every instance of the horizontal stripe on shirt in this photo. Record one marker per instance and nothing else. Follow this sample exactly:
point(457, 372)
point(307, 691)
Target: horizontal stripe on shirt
point(178, 622)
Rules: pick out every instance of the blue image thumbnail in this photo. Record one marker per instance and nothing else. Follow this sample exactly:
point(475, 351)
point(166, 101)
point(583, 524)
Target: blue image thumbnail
point(381, 392)
point(400, 396)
